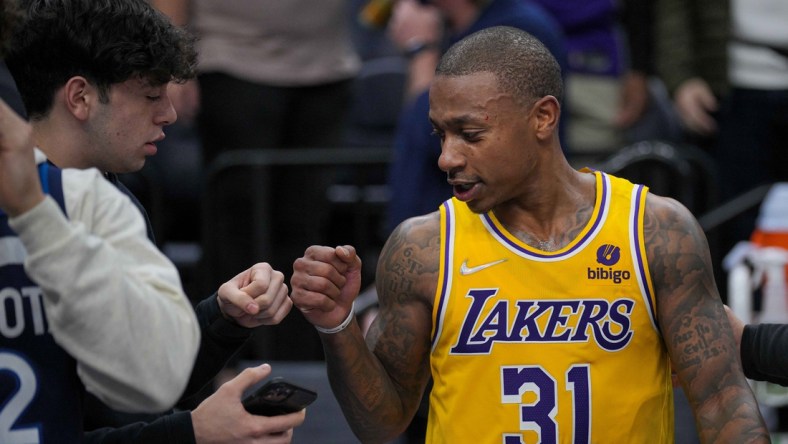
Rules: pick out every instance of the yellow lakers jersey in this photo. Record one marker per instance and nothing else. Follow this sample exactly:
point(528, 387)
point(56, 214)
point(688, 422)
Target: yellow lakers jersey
point(531, 346)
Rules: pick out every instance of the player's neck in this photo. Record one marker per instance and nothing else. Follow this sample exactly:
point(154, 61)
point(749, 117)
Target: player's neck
point(552, 209)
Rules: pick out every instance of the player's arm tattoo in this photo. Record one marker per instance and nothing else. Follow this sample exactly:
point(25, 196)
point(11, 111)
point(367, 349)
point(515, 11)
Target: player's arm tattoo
point(695, 327)
point(399, 337)
point(407, 277)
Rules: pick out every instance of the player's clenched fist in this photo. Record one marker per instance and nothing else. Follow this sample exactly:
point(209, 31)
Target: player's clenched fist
point(325, 282)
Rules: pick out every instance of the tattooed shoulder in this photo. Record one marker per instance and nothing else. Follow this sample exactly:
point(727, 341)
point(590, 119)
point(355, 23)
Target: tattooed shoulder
point(408, 264)
point(676, 247)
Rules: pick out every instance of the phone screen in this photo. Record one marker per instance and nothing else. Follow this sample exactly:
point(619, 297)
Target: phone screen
point(278, 397)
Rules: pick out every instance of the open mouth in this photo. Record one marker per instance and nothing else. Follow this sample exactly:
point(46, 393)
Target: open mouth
point(465, 191)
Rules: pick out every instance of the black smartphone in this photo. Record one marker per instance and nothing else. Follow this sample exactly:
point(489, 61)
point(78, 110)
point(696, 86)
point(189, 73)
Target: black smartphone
point(278, 397)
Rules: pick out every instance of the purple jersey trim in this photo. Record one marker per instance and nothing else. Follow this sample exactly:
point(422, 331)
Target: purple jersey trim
point(444, 286)
point(576, 247)
point(639, 259)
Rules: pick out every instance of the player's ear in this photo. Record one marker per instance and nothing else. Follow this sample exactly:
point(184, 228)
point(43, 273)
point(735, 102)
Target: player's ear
point(79, 96)
point(546, 112)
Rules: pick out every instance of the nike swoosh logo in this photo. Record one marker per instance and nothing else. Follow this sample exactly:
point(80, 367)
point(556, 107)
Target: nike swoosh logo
point(465, 270)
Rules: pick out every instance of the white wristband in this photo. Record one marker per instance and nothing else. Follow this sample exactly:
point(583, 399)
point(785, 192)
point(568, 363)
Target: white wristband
point(343, 325)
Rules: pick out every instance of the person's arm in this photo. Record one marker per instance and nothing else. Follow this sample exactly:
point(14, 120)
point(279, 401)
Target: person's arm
point(221, 418)
point(379, 391)
point(20, 190)
point(763, 352)
point(255, 297)
point(220, 339)
point(695, 328)
point(113, 301)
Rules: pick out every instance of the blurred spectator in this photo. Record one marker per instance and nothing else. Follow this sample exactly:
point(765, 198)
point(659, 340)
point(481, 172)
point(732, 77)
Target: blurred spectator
point(691, 44)
point(726, 66)
point(369, 19)
point(613, 99)
point(272, 74)
point(378, 88)
point(417, 185)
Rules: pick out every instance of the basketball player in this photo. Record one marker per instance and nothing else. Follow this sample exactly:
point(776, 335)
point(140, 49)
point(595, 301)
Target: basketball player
point(547, 304)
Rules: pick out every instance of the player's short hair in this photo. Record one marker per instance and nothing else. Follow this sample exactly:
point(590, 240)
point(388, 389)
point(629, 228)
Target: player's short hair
point(105, 41)
point(520, 62)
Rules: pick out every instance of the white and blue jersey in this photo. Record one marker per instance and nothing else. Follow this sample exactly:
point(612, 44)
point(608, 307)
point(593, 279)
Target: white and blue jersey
point(40, 391)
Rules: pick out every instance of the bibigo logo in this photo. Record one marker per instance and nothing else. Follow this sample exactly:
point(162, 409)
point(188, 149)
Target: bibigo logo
point(608, 255)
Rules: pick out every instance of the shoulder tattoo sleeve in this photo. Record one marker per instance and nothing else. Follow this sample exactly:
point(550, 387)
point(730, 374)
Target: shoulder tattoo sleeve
point(694, 325)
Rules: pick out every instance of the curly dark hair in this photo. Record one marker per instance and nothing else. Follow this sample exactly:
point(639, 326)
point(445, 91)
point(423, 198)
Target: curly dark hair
point(10, 13)
point(520, 62)
point(105, 41)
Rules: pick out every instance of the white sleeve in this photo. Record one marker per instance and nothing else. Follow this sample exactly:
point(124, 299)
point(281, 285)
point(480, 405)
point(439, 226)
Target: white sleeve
point(113, 301)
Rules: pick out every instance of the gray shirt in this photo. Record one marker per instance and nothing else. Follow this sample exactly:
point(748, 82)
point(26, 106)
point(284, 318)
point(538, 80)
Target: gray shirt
point(276, 42)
